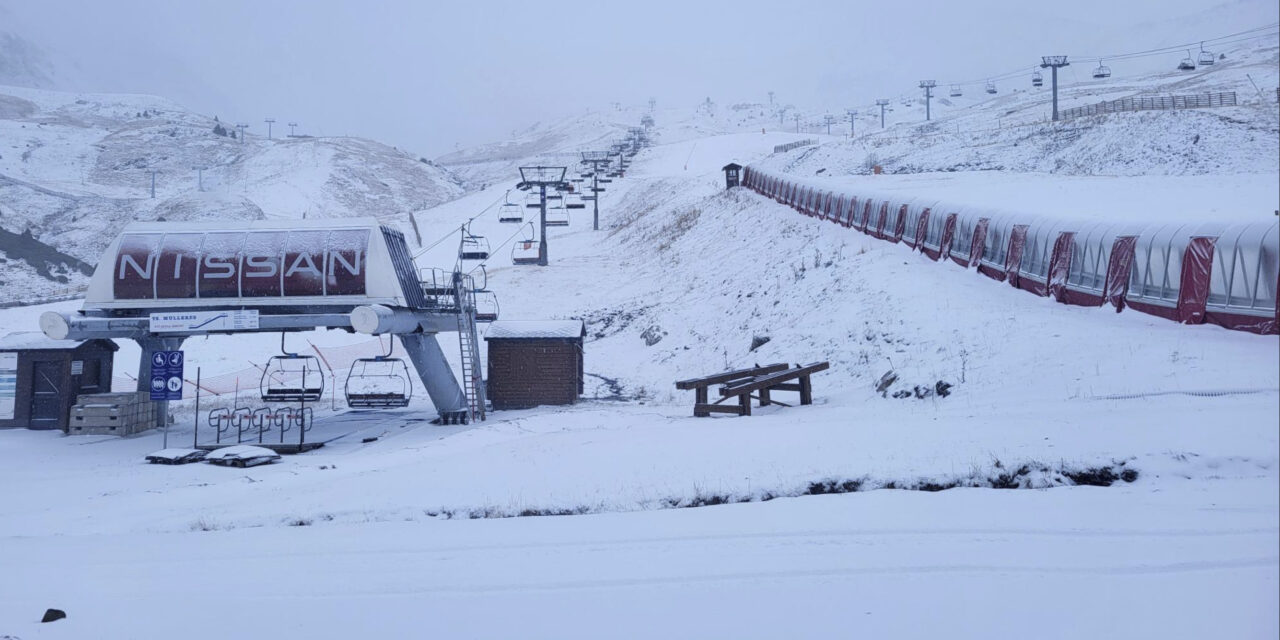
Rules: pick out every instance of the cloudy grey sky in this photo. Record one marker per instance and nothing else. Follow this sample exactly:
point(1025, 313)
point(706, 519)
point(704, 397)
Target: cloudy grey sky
point(430, 75)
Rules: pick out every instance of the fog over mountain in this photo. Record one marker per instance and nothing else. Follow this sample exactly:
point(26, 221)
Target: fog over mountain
point(435, 77)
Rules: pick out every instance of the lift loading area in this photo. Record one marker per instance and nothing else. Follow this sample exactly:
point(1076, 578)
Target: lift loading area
point(159, 283)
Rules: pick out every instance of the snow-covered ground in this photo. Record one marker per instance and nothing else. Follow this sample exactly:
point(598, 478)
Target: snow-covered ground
point(409, 533)
point(72, 165)
point(833, 523)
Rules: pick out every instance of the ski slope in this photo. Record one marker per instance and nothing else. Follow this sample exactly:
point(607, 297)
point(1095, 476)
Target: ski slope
point(411, 532)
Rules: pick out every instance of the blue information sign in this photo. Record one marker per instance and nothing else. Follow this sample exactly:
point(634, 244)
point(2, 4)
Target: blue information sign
point(166, 375)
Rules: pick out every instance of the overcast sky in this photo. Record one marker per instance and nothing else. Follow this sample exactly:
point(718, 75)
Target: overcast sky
point(430, 75)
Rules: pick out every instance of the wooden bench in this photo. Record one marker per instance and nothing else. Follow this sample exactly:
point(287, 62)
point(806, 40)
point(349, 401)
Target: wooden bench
point(761, 381)
point(702, 405)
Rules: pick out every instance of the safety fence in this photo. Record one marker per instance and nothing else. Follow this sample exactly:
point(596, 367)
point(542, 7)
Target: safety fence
point(336, 362)
point(1225, 274)
point(793, 145)
point(1154, 103)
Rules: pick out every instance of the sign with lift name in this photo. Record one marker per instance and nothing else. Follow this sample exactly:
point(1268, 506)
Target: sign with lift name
point(204, 321)
point(166, 375)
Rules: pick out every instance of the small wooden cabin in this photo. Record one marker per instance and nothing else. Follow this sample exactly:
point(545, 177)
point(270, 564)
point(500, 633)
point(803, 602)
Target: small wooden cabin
point(732, 175)
point(535, 362)
point(40, 378)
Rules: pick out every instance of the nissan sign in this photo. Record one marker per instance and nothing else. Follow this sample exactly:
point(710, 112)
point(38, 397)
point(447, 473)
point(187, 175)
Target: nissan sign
point(241, 264)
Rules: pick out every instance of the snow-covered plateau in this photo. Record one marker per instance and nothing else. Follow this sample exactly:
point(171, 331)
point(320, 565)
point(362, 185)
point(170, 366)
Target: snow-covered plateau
point(1089, 474)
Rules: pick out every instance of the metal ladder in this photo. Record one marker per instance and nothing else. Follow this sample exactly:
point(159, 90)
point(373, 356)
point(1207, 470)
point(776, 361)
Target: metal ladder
point(469, 344)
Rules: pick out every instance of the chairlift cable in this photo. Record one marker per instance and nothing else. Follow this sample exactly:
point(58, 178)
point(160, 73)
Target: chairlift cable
point(450, 234)
point(494, 251)
point(1234, 38)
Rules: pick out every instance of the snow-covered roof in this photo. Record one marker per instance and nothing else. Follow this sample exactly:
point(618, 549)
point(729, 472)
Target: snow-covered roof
point(25, 340)
point(526, 329)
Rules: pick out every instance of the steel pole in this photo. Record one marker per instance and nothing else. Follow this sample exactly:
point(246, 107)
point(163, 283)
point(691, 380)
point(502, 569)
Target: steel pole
point(542, 219)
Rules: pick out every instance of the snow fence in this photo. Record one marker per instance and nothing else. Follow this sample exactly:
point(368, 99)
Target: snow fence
point(1224, 274)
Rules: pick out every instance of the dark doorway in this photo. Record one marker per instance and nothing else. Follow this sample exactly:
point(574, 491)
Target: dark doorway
point(46, 397)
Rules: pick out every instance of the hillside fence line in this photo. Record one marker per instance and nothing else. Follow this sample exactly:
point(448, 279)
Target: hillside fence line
point(1153, 103)
point(1223, 274)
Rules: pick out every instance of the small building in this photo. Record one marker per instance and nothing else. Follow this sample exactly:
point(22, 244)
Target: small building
point(40, 378)
point(534, 362)
point(732, 175)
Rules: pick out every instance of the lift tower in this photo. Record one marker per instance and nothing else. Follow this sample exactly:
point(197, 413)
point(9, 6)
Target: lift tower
point(541, 178)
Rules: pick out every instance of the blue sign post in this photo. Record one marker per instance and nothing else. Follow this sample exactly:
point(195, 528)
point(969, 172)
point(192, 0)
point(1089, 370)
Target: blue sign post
point(166, 375)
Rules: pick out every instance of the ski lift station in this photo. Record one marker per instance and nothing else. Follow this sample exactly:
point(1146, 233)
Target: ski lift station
point(160, 283)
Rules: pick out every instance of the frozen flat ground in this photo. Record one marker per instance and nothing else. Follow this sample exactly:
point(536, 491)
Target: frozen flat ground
point(377, 539)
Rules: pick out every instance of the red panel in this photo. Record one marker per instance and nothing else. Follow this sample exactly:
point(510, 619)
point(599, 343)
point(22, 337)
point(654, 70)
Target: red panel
point(1116, 286)
point(861, 224)
point(979, 241)
point(263, 261)
point(922, 227)
point(178, 261)
point(1193, 293)
point(884, 220)
point(1033, 286)
point(135, 266)
point(303, 261)
point(346, 268)
point(1080, 298)
point(1241, 322)
point(991, 272)
point(850, 212)
point(900, 225)
point(1168, 313)
point(1013, 259)
point(1060, 265)
point(219, 274)
point(948, 235)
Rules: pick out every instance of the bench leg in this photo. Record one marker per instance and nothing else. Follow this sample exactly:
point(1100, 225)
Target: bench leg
point(764, 397)
point(806, 391)
point(700, 397)
point(744, 401)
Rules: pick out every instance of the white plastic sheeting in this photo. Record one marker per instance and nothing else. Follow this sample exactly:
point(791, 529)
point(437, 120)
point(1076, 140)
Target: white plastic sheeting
point(1237, 288)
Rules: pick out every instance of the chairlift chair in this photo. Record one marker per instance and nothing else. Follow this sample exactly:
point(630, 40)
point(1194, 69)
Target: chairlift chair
point(1188, 63)
point(574, 201)
point(1206, 57)
point(1037, 79)
point(991, 87)
point(510, 212)
point(525, 251)
point(533, 201)
point(380, 382)
point(290, 377)
point(473, 247)
point(955, 91)
point(557, 215)
point(486, 306)
point(1102, 71)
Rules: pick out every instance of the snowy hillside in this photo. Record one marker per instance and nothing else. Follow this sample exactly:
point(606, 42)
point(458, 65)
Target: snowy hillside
point(562, 141)
point(1008, 131)
point(72, 165)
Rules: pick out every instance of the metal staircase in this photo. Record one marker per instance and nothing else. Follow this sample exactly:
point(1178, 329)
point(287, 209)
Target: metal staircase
point(469, 344)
